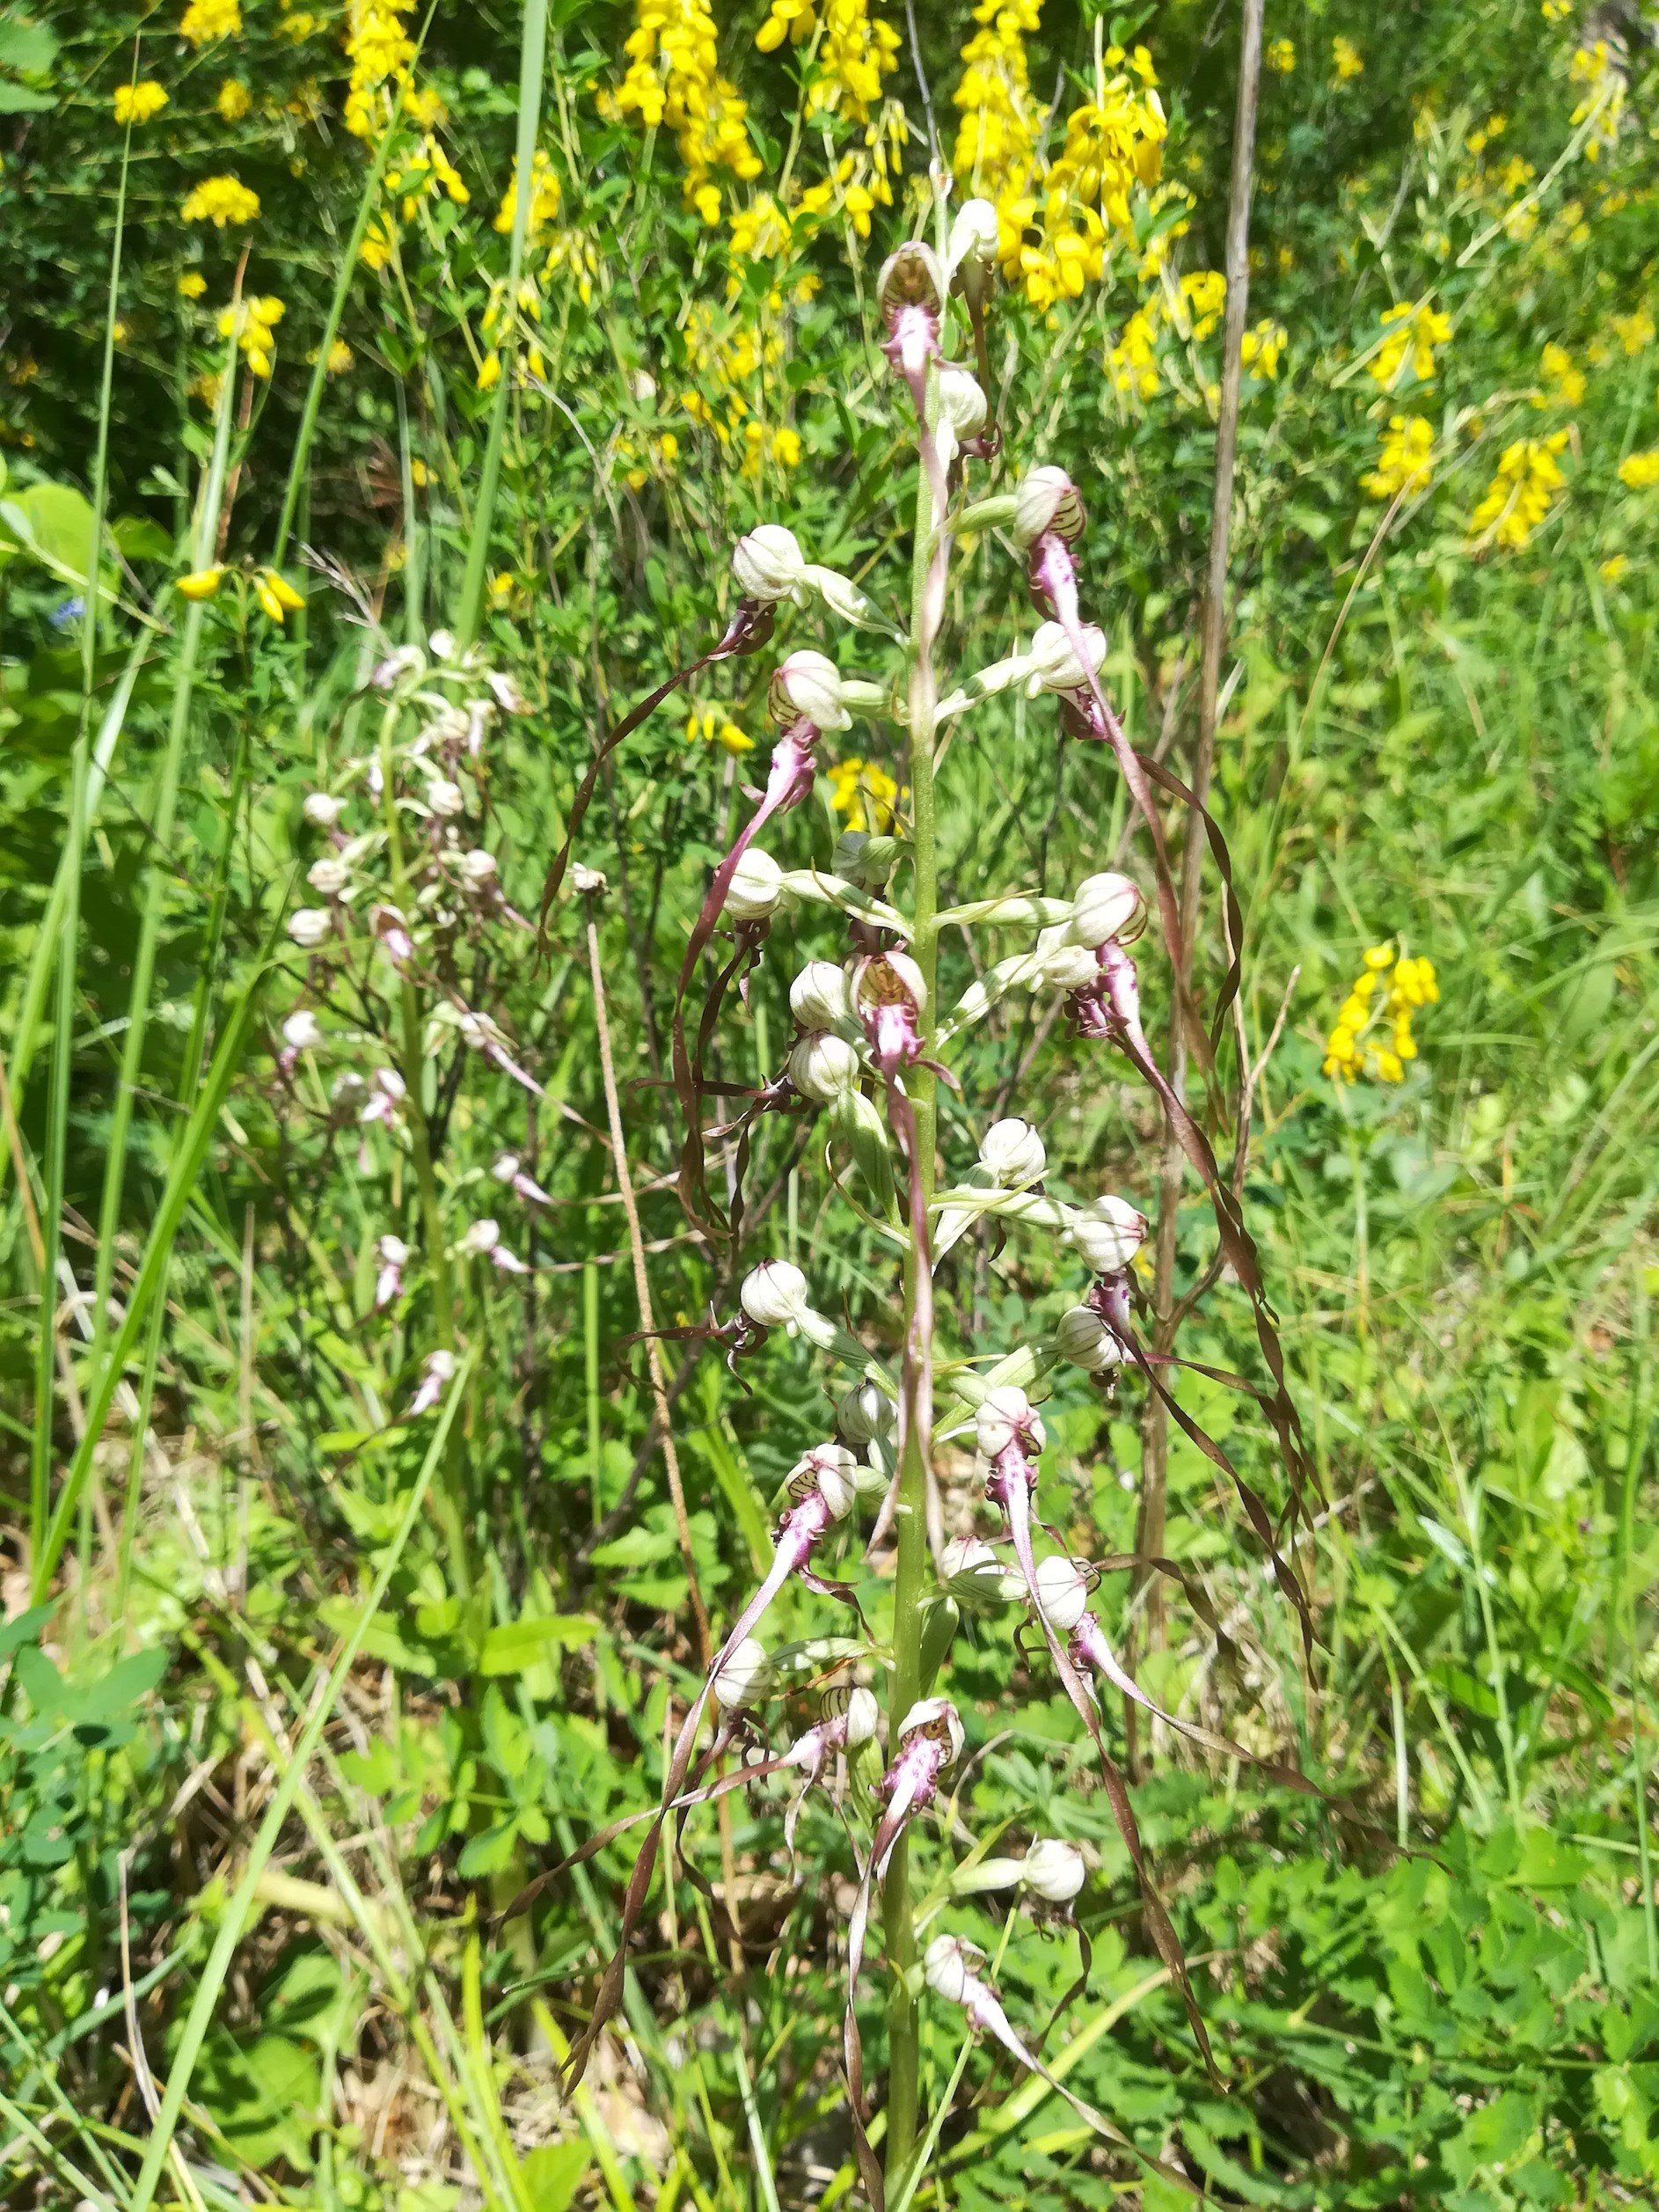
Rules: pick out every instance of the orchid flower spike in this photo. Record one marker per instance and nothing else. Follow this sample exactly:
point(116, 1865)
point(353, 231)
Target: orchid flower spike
point(1107, 906)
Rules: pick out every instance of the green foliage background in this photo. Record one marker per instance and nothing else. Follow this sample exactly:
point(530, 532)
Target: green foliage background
point(1454, 749)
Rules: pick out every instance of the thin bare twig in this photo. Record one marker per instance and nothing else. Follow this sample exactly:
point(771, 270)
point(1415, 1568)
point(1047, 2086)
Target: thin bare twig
point(1155, 1431)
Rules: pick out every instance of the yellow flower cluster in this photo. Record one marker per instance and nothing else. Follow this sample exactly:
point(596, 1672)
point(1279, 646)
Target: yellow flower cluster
point(205, 21)
point(662, 452)
point(1567, 382)
point(1280, 56)
point(272, 590)
point(1634, 332)
point(1192, 307)
point(1521, 494)
point(1415, 335)
point(1055, 222)
point(1259, 349)
point(761, 444)
point(234, 99)
point(727, 360)
point(191, 284)
point(674, 77)
point(853, 54)
point(1406, 463)
point(1641, 471)
point(714, 726)
point(255, 327)
point(138, 103)
point(1352, 1049)
point(219, 200)
point(424, 173)
point(1604, 83)
point(1347, 58)
point(544, 197)
point(864, 794)
point(380, 51)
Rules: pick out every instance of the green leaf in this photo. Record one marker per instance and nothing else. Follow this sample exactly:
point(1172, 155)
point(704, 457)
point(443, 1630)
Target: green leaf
point(30, 47)
point(53, 522)
point(19, 100)
point(490, 1852)
point(552, 2175)
point(637, 1548)
point(516, 1645)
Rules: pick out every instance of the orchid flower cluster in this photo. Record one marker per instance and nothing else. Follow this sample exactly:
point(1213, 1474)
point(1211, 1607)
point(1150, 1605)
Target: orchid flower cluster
point(873, 1042)
point(407, 897)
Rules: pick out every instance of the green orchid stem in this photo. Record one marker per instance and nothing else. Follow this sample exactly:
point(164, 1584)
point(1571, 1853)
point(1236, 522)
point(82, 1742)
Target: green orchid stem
point(448, 1493)
point(898, 1908)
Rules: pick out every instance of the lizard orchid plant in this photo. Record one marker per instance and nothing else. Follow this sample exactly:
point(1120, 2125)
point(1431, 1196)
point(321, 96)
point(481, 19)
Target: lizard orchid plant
point(873, 1040)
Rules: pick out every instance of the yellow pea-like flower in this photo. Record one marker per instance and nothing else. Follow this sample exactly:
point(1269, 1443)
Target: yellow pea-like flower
point(202, 583)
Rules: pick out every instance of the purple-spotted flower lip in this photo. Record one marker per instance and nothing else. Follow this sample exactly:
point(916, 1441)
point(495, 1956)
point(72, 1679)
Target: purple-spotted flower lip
point(935, 1719)
point(829, 1471)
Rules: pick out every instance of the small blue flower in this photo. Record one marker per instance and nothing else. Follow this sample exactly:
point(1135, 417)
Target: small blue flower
point(70, 611)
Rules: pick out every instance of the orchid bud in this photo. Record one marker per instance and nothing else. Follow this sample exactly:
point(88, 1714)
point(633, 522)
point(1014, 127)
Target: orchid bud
point(444, 798)
point(970, 253)
point(478, 867)
point(1104, 906)
point(1006, 1415)
point(863, 1715)
point(769, 564)
point(439, 1369)
point(824, 1067)
point(1055, 1869)
point(1047, 501)
point(864, 860)
point(741, 1677)
point(839, 593)
point(1107, 1232)
point(1081, 1337)
point(442, 644)
point(328, 877)
point(962, 410)
point(310, 926)
point(393, 1254)
point(1012, 1151)
point(809, 683)
point(403, 660)
point(507, 694)
point(302, 1032)
point(774, 1296)
point(1052, 661)
point(818, 996)
point(321, 810)
point(755, 887)
point(591, 882)
point(1062, 1592)
point(1067, 967)
point(827, 1468)
point(934, 1716)
point(975, 1575)
point(865, 1413)
point(479, 1237)
point(947, 1965)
